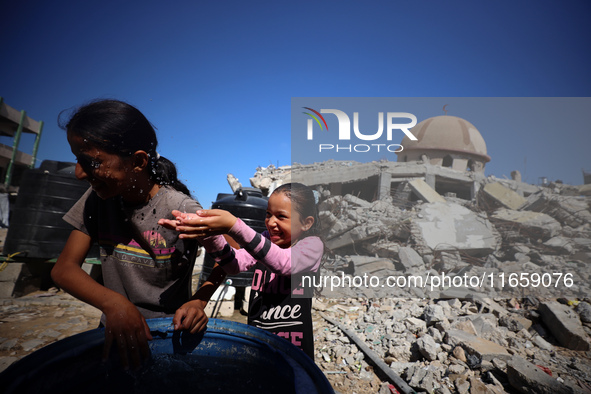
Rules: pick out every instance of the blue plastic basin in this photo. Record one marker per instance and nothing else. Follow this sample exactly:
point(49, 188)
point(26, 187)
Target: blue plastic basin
point(229, 357)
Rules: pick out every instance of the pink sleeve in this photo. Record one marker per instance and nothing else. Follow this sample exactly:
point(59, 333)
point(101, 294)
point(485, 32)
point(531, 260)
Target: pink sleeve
point(304, 256)
point(232, 261)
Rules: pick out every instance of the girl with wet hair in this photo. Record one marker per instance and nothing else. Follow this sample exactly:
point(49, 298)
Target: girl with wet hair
point(146, 268)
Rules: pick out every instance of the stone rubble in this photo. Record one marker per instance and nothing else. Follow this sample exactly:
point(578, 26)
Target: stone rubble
point(445, 346)
point(526, 334)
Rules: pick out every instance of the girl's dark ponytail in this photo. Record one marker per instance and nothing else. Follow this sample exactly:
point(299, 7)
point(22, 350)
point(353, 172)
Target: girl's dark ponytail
point(163, 172)
point(119, 128)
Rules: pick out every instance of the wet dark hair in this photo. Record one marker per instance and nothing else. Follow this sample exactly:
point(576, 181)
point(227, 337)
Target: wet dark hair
point(121, 129)
point(303, 202)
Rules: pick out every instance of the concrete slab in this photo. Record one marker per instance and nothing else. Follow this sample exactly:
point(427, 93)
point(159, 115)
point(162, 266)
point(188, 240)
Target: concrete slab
point(585, 190)
point(545, 226)
point(525, 377)
point(564, 323)
point(424, 191)
point(450, 226)
point(409, 258)
point(503, 195)
point(355, 235)
point(485, 350)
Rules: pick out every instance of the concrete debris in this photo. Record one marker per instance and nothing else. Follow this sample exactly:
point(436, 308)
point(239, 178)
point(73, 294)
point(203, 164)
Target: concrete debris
point(449, 226)
point(564, 323)
point(528, 378)
point(533, 242)
point(424, 191)
point(410, 259)
point(503, 195)
point(233, 182)
point(535, 223)
point(441, 346)
point(569, 210)
point(271, 177)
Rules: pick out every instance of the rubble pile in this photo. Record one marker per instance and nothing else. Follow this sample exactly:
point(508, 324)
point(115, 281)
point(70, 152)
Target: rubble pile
point(510, 249)
point(268, 178)
point(499, 298)
point(453, 345)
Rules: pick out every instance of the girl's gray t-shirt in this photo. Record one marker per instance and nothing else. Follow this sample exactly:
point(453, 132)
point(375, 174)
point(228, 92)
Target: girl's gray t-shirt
point(140, 259)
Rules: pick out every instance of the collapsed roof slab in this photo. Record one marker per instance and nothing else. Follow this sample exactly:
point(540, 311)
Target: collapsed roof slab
point(450, 226)
point(504, 196)
point(536, 223)
point(424, 191)
point(337, 172)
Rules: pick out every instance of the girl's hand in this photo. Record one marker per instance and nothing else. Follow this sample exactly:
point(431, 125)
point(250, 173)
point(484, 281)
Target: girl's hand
point(130, 332)
point(203, 223)
point(191, 316)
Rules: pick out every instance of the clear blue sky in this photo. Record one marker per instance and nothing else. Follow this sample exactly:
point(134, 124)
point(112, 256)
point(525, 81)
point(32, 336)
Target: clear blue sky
point(216, 78)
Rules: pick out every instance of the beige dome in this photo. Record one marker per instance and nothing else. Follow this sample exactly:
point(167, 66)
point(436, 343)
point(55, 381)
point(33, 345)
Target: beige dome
point(447, 133)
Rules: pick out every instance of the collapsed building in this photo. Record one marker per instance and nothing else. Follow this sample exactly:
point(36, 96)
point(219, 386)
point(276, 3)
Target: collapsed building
point(434, 214)
point(435, 209)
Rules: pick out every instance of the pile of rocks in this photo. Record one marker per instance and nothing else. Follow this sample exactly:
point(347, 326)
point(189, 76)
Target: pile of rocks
point(498, 297)
point(452, 345)
point(539, 249)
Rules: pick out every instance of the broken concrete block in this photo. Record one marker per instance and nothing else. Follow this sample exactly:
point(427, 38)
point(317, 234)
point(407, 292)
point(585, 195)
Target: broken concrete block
point(503, 195)
point(357, 201)
point(536, 223)
point(327, 219)
point(584, 311)
point(433, 314)
point(542, 343)
point(483, 349)
point(562, 245)
point(424, 191)
point(459, 353)
point(464, 325)
point(515, 322)
point(385, 249)
point(428, 347)
point(450, 226)
point(354, 235)
point(527, 378)
point(565, 325)
point(371, 265)
point(585, 190)
point(568, 210)
point(409, 258)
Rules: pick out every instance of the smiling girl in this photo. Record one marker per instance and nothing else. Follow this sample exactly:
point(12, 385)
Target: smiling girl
point(288, 249)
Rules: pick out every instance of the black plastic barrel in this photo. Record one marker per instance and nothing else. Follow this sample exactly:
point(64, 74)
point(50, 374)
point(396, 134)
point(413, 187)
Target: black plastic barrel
point(250, 206)
point(36, 229)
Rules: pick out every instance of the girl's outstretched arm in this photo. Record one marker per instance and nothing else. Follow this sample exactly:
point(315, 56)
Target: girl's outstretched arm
point(125, 325)
point(304, 256)
point(204, 223)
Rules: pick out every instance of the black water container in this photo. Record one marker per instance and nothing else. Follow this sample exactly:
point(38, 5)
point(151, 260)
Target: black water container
point(36, 229)
point(250, 206)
